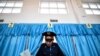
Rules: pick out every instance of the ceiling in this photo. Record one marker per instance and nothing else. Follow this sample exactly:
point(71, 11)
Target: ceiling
point(53, 0)
point(11, 0)
point(90, 0)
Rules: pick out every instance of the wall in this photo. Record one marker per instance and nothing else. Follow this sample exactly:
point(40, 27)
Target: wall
point(30, 14)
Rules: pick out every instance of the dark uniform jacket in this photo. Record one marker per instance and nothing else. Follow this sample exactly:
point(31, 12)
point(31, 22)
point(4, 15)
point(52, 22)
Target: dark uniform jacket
point(54, 50)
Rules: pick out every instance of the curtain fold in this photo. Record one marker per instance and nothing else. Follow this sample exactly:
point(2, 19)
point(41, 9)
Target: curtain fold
point(88, 45)
point(65, 43)
point(34, 44)
point(12, 45)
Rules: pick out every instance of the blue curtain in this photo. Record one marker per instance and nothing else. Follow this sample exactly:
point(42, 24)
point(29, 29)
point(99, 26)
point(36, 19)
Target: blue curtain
point(83, 45)
point(87, 45)
point(11, 45)
point(66, 44)
point(34, 44)
point(78, 40)
point(13, 41)
point(73, 39)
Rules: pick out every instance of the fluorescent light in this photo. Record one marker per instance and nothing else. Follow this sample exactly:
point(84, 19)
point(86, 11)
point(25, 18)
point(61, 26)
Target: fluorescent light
point(18, 4)
point(10, 4)
point(88, 11)
point(85, 5)
point(53, 11)
point(1, 10)
point(96, 12)
point(62, 11)
point(7, 10)
point(93, 5)
point(16, 10)
point(2, 4)
point(53, 5)
point(44, 4)
point(44, 11)
point(61, 5)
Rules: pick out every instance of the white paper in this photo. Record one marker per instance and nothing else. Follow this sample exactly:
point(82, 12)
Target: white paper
point(26, 53)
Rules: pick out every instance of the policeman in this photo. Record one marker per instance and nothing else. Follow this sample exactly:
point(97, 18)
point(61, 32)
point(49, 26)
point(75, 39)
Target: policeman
point(49, 48)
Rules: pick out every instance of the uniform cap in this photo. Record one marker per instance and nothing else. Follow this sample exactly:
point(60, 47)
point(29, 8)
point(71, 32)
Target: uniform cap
point(48, 34)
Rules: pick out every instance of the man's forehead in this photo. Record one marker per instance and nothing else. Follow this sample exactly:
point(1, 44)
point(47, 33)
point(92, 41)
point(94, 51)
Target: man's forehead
point(49, 36)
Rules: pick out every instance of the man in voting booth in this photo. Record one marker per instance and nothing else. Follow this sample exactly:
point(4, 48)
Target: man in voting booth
point(49, 48)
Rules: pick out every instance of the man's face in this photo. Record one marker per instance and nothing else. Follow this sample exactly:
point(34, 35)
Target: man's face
point(49, 40)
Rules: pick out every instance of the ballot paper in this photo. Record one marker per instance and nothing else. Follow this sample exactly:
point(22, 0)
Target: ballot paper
point(26, 53)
